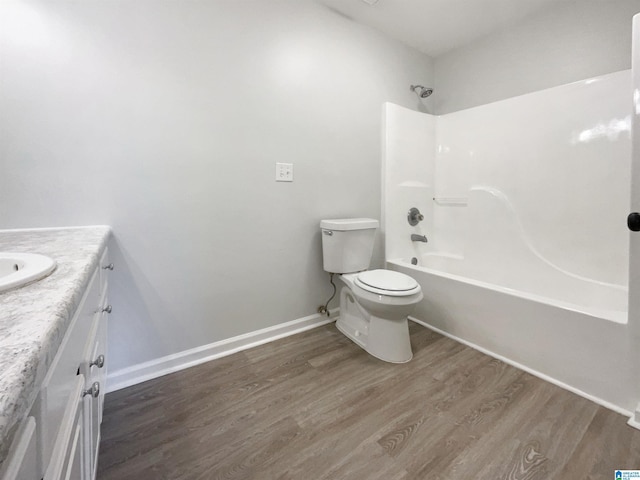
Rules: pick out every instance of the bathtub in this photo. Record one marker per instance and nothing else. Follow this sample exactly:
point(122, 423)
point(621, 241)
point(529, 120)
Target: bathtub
point(527, 255)
point(551, 286)
point(566, 329)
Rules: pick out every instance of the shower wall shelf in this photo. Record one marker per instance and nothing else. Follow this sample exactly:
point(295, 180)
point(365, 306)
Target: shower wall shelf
point(451, 201)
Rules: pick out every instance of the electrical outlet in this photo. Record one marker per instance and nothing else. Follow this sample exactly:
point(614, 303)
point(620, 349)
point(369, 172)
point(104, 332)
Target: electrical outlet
point(284, 172)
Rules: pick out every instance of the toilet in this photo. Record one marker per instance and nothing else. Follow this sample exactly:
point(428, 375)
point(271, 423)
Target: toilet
point(374, 304)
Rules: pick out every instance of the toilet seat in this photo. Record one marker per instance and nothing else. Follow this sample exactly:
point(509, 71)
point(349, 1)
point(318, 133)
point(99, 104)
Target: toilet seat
point(387, 282)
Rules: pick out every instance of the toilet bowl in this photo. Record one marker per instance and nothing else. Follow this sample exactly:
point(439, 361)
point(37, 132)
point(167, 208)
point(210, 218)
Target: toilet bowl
point(374, 304)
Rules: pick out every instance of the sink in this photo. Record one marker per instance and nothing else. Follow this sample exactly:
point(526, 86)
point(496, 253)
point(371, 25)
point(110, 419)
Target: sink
point(18, 269)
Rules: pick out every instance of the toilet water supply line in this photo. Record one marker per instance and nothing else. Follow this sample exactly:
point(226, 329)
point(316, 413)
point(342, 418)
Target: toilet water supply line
point(325, 308)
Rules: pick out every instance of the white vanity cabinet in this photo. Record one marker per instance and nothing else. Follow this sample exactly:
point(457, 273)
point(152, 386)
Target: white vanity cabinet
point(61, 439)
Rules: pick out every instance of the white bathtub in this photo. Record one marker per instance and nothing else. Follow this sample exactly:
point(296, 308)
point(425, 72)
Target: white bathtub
point(550, 286)
point(569, 331)
point(527, 255)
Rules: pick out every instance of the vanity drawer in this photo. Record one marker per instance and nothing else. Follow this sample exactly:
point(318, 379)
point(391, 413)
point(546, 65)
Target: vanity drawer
point(65, 369)
point(105, 268)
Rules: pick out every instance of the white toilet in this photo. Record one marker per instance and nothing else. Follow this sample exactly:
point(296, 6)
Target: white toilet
point(374, 304)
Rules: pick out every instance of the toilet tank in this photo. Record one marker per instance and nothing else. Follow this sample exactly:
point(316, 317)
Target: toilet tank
point(347, 244)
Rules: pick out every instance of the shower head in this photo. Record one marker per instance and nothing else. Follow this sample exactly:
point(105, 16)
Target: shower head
point(422, 92)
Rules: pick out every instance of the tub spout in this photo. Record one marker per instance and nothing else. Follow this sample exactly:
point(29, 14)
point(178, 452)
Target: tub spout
point(419, 238)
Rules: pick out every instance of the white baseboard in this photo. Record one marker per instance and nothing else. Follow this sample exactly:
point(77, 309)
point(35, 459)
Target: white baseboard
point(142, 372)
point(536, 373)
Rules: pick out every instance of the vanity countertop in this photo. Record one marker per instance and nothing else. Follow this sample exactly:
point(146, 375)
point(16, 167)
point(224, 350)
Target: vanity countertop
point(34, 318)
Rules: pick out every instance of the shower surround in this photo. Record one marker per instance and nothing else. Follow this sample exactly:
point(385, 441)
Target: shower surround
point(525, 202)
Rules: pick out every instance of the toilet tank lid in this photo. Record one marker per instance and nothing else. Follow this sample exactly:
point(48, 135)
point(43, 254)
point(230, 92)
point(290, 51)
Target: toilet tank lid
point(342, 224)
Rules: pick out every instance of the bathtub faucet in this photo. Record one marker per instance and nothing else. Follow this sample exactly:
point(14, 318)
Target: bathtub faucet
point(418, 238)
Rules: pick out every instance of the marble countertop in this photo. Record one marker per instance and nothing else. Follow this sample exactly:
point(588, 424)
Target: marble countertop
point(34, 318)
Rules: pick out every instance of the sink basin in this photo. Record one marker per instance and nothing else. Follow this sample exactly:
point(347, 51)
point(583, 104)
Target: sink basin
point(18, 269)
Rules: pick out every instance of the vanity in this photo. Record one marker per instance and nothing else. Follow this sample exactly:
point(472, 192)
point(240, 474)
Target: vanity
point(53, 360)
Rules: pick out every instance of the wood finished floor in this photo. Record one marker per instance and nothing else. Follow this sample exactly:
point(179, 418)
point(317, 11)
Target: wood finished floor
point(315, 406)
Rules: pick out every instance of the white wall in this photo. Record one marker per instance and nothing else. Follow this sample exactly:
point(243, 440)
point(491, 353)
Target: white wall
point(165, 119)
point(575, 40)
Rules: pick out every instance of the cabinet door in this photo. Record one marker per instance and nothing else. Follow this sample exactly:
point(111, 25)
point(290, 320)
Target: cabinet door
point(94, 370)
point(62, 375)
point(75, 461)
point(67, 459)
point(99, 369)
point(100, 374)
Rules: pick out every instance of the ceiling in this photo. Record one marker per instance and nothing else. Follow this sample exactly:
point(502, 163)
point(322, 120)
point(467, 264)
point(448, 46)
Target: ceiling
point(437, 26)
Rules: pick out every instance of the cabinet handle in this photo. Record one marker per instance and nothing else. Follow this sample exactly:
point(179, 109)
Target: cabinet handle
point(94, 391)
point(108, 267)
point(107, 309)
point(98, 362)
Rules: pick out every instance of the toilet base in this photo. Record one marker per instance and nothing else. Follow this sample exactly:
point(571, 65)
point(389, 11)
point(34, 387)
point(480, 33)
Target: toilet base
point(384, 338)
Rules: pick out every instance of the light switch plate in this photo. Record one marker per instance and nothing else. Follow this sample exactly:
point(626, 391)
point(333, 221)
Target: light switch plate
point(284, 172)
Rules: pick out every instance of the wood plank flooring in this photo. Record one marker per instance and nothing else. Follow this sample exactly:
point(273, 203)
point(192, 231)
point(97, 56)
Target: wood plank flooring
point(315, 406)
